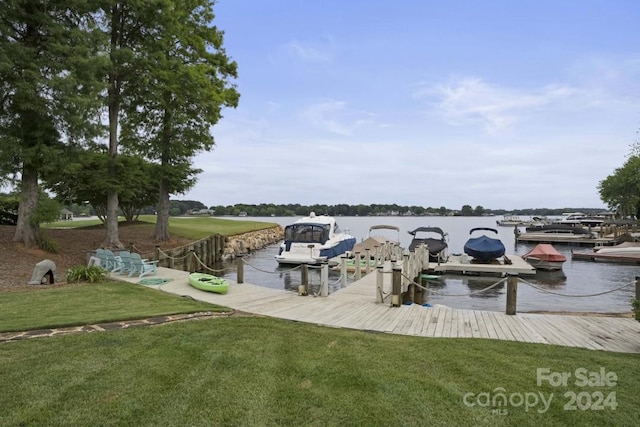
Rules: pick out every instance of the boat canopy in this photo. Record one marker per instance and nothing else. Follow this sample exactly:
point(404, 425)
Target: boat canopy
point(546, 252)
point(307, 233)
point(427, 230)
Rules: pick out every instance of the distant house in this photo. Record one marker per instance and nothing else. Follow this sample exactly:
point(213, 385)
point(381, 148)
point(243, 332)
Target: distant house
point(66, 215)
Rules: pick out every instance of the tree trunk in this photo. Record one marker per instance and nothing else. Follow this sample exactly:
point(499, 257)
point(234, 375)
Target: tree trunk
point(28, 231)
point(162, 219)
point(112, 239)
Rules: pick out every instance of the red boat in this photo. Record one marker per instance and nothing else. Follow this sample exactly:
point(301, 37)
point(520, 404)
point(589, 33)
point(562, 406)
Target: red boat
point(545, 257)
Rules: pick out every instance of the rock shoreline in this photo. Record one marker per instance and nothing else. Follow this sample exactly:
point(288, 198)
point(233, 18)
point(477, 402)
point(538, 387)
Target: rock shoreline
point(243, 244)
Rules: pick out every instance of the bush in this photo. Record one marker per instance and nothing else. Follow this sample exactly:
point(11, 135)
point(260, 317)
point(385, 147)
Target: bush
point(47, 244)
point(83, 273)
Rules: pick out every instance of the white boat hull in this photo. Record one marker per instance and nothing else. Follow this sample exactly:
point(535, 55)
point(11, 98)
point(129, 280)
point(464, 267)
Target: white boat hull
point(540, 264)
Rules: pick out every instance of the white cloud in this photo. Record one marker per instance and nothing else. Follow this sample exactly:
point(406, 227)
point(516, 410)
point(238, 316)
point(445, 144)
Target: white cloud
point(470, 100)
point(335, 117)
point(313, 52)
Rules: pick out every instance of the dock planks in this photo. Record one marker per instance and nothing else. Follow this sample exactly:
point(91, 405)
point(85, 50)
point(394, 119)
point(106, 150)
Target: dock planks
point(354, 307)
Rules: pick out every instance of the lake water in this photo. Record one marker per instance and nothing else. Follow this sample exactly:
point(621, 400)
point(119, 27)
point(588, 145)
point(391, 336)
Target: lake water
point(576, 277)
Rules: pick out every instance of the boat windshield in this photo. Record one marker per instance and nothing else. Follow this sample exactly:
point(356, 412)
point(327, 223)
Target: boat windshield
point(307, 233)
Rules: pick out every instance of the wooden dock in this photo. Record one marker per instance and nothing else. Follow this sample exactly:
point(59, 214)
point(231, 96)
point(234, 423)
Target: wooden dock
point(594, 256)
point(355, 307)
point(460, 264)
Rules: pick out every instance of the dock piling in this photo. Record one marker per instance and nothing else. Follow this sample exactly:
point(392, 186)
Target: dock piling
point(512, 293)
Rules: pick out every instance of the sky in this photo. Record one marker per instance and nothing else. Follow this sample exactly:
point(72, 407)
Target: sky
point(500, 104)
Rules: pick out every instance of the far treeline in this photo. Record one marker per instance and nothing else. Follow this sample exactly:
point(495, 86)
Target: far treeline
point(178, 207)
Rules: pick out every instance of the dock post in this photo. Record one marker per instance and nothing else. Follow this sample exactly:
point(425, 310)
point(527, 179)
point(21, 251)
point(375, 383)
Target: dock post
point(636, 308)
point(396, 287)
point(324, 279)
point(379, 284)
point(512, 292)
point(357, 265)
point(367, 256)
point(193, 264)
point(239, 269)
point(343, 271)
point(304, 280)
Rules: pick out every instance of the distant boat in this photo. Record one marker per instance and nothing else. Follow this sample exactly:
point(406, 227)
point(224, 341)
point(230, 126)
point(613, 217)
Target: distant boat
point(510, 221)
point(433, 238)
point(545, 257)
point(484, 248)
point(566, 231)
point(579, 218)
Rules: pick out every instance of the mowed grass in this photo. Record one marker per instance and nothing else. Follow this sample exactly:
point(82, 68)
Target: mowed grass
point(240, 371)
point(85, 304)
point(188, 227)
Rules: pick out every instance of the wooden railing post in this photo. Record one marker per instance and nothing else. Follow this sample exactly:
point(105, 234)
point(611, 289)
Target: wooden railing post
point(343, 271)
point(396, 287)
point(156, 253)
point(379, 284)
point(357, 261)
point(304, 280)
point(512, 292)
point(324, 279)
point(239, 269)
point(367, 257)
point(636, 308)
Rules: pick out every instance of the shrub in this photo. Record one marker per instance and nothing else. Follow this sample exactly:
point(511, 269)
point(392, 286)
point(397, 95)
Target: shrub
point(47, 244)
point(83, 273)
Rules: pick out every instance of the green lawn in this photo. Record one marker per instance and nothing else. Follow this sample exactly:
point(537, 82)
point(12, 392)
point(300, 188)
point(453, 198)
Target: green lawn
point(84, 304)
point(188, 227)
point(266, 372)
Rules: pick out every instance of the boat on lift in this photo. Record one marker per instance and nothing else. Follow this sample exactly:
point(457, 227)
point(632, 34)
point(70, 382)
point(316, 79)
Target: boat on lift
point(434, 239)
point(484, 248)
point(314, 239)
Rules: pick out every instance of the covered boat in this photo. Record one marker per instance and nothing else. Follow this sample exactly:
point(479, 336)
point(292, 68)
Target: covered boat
point(377, 239)
point(209, 283)
point(312, 240)
point(433, 238)
point(484, 248)
point(626, 248)
point(545, 257)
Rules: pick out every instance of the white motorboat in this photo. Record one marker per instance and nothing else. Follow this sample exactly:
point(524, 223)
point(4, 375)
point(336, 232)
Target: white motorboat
point(510, 221)
point(312, 240)
point(625, 248)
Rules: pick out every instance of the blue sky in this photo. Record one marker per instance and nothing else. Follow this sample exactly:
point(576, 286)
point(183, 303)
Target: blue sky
point(503, 104)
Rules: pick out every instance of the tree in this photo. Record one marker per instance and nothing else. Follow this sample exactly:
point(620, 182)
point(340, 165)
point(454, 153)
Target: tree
point(621, 190)
point(185, 83)
point(466, 210)
point(48, 93)
point(86, 178)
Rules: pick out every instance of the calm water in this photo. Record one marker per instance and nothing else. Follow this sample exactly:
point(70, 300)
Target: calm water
point(576, 278)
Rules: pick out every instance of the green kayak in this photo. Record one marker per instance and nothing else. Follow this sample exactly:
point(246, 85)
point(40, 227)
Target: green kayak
point(209, 283)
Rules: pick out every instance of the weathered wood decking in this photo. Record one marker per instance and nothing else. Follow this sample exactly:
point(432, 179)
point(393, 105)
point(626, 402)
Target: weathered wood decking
point(355, 307)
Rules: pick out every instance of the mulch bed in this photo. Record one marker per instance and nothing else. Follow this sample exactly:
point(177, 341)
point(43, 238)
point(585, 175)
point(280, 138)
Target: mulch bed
point(73, 245)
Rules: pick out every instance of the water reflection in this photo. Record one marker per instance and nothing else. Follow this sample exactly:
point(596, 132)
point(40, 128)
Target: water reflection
point(484, 287)
point(552, 278)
